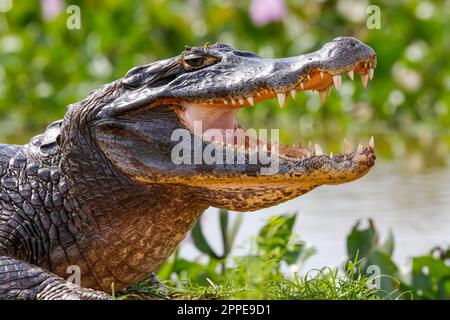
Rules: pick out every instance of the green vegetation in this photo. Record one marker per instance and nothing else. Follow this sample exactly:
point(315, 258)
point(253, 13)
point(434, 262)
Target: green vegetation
point(265, 273)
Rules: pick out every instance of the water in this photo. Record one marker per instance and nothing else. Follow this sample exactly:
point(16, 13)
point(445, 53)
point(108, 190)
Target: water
point(415, 206)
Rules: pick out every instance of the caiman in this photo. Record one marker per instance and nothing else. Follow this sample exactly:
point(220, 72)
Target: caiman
point(100, 190)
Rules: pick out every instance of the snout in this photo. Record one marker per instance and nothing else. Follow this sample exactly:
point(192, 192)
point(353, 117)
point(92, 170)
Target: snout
point(343, 52)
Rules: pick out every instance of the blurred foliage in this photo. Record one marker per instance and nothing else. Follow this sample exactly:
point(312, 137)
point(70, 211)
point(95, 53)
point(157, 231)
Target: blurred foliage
point(428, 277)
point(275, 242)
point(44, 66)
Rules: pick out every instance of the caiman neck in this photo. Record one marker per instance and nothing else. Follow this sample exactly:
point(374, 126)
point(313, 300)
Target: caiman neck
point(128, 230)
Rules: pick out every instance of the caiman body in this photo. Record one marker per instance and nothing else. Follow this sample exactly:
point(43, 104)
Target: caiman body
point(99, 190)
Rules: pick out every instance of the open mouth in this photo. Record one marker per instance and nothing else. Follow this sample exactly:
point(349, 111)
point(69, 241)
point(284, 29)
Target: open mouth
point(218, 115)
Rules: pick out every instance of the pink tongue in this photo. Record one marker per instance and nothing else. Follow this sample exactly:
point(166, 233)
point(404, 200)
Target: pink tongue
point(211, 117)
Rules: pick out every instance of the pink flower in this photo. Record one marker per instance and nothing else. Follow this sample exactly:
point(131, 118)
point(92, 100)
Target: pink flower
point(51, 8)
point(265, 11)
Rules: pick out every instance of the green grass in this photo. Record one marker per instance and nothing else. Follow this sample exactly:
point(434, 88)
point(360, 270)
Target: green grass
point(323, 284)
point(262, 273)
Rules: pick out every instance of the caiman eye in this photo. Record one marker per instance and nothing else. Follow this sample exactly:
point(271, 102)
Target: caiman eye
point(196, 61)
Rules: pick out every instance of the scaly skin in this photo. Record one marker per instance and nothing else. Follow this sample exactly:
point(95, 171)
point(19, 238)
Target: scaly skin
point(99, 189)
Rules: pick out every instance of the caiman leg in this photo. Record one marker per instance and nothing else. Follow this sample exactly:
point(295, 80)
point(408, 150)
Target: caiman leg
point(21, 280)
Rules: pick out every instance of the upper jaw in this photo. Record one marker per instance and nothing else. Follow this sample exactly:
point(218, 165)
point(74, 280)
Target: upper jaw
point(314, 78)
point(246, 81)
point(236, 82)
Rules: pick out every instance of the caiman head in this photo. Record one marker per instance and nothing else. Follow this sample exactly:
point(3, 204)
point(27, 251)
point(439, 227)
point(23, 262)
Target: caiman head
point(173, 123)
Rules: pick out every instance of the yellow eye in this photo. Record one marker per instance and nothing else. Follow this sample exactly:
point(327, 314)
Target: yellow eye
point(197, 61)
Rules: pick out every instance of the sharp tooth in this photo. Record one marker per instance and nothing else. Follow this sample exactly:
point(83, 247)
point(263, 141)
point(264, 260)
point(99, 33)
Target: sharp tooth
point(250, 100)
point(372, 143)
point(328, 90)
point(360, 149)
point(337, 80)
point(233, 101)
point(241, 101)
point(371, 70)
point(264, 148)
point(309, 146)
point(346, 146)
point(364, 80)
point(331, 155)
point(293, 93)
point(318, 150)
point(321, 75)
point(302, 86)
point(258, 94)
point(351, 75)
point(323, 96)
point(281, 99)
point(308, 77)
point(225, 101)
